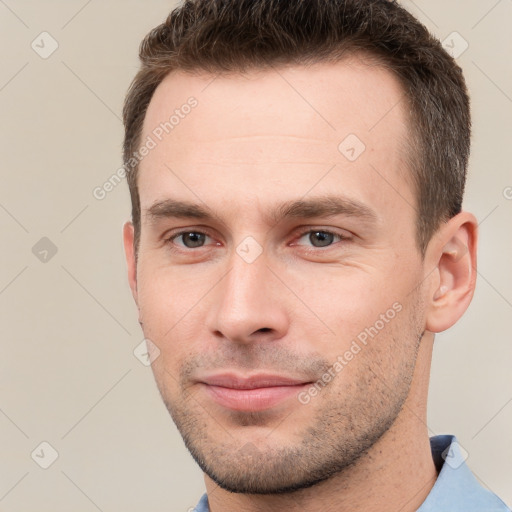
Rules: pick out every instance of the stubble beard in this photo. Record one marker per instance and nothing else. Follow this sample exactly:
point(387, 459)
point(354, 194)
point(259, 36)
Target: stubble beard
point(346, 424)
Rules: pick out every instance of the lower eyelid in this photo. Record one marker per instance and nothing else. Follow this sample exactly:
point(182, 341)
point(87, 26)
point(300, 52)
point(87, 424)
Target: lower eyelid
point(172, 239)
point(209, 239)
point(339, 236)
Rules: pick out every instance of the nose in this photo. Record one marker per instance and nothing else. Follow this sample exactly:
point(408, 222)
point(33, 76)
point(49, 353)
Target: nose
point(248, 304)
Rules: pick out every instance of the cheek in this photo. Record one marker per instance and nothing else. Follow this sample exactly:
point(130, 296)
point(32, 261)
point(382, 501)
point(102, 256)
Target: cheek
point(348, 300)
point(382, 354)
point(371, 313)
point(170, 302)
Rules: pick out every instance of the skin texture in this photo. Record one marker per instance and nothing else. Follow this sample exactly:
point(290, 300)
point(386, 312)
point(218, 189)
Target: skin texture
point(253, 142)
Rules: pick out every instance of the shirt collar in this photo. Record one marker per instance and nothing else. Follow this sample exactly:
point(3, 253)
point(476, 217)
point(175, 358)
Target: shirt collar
point(455, 490)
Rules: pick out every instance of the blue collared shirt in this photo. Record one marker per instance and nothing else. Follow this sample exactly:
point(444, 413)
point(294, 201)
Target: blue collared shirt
point(455, 490)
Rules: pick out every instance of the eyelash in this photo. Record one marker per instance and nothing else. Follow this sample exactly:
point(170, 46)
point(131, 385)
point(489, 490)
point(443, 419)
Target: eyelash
point(169, 240)
point(327, 231)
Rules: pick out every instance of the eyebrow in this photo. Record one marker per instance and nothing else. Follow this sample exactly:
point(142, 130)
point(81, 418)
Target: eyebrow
point(322, 206)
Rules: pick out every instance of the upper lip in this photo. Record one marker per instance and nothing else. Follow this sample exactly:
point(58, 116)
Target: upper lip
point(262, 380)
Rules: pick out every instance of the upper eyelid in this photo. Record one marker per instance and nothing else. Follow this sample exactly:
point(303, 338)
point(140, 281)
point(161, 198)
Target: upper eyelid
point(300, 234)
point(167, 235)
point(341, 236)
point(172, 237)
point(321, 230)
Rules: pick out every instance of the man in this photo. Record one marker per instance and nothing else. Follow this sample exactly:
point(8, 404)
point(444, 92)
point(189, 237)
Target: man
point(296, 171)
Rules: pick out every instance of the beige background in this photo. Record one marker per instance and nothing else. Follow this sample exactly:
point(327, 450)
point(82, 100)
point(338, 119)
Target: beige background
point(68, 373)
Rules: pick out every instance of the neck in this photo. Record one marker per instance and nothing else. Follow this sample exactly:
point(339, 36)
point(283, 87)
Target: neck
point(396, 473)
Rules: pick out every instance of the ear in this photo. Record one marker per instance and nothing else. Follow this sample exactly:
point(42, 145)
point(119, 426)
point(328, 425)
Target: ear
point(452, 254)
point(131, 263)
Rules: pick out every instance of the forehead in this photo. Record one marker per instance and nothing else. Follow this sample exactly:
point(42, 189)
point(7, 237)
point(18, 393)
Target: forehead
point(284, 127)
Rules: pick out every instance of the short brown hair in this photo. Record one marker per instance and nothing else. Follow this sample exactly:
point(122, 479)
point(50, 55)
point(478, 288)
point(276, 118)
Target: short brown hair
point(220, 36)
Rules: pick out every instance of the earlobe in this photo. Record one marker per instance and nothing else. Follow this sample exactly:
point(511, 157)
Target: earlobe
point(131, 264)
point(454, 254)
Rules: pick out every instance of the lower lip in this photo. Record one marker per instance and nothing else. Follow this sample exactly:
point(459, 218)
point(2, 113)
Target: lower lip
point(252, 400)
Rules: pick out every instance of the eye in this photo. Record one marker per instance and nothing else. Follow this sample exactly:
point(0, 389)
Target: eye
point(190, 239)
point(320, 238)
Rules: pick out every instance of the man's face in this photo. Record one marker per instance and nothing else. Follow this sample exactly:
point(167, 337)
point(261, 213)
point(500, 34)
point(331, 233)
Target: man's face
point(292, 252)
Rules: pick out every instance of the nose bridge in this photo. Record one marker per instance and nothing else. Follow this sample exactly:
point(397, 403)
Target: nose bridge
point(245, 302)
point(246, 281)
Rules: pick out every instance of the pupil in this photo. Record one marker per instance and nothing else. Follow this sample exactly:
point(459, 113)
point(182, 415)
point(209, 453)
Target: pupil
point(320, 238)
point(193, 239)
